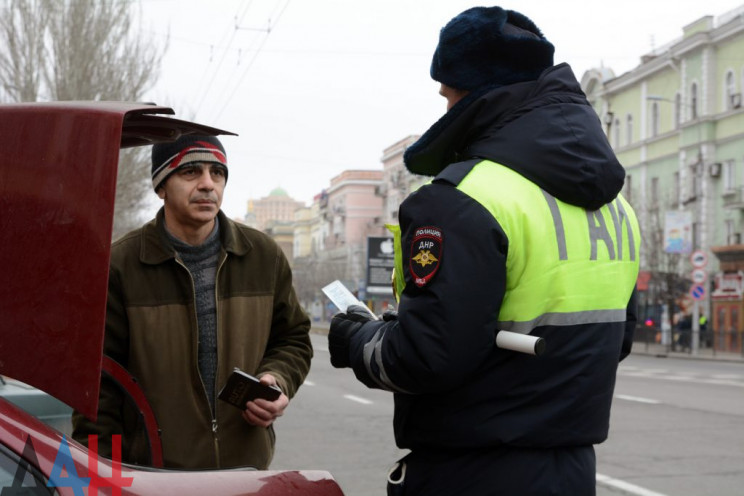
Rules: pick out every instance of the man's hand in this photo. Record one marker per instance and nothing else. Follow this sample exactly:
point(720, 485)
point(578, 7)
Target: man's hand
point(343, 326)
point(261, 412)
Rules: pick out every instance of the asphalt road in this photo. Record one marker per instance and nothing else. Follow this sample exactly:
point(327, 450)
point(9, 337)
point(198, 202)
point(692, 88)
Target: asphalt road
point(677, 429)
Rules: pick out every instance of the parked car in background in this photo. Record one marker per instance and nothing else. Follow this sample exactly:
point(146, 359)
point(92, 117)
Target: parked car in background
point(58, 170)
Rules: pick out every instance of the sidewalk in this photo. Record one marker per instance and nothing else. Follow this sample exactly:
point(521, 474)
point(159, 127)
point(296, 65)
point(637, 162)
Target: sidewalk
point(320, 327)
point(661, 350)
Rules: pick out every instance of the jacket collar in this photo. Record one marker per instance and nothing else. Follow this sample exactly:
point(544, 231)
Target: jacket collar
point(156, 249)
point(545, 130)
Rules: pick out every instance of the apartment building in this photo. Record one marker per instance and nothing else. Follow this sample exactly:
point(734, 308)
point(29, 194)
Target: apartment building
point(676, 123)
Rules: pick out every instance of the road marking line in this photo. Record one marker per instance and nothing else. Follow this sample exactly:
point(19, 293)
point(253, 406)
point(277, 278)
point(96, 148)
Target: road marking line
point(626, 486)
point(637, 399)
point(357, 399)
point(679, 378)
point(723, 383)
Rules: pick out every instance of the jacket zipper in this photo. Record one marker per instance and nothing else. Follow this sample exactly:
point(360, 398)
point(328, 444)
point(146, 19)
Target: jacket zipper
point(217, 366)
point(213, 415)
point(216, 439)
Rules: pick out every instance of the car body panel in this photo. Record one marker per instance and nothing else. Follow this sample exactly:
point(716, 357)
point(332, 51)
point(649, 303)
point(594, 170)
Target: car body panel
point(17, 426)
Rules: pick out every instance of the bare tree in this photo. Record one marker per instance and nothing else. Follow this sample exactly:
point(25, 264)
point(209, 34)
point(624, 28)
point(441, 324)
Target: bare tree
point(666, 285)
point(82, 50)
point(311, 273)
point(23, 24)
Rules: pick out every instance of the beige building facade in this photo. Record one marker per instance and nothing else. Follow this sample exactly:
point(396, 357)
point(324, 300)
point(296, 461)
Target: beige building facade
point(278, 206)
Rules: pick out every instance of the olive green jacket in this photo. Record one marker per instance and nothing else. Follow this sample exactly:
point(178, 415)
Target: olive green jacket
point(151, 329)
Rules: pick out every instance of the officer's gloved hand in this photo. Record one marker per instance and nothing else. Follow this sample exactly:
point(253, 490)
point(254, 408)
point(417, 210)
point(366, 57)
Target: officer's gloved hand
point(343, 326)
point(389, 315)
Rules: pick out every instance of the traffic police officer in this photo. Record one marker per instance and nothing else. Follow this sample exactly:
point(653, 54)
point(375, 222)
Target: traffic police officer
point(522, 229)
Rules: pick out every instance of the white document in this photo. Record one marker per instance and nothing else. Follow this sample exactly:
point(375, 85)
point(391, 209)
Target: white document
point(343, 298)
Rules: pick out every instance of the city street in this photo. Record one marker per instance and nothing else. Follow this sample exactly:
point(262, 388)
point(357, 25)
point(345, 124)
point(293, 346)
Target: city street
point(677, 429)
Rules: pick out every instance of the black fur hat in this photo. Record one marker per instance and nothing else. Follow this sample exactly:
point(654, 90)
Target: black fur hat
point(490, 47)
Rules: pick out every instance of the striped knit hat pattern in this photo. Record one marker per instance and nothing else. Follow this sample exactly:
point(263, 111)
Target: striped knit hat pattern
point(167, 157)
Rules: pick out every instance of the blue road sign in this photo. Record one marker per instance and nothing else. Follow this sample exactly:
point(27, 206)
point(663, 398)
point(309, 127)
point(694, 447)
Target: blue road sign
point(697, 291)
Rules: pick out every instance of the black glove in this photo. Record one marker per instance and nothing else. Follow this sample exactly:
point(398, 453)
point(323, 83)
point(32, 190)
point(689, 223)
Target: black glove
point(390, 315)
point(343, 325)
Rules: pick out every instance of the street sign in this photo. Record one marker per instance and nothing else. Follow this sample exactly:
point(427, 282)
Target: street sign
point(699, 259)
point(698, 276)
point(697, 291)
point(380, 263)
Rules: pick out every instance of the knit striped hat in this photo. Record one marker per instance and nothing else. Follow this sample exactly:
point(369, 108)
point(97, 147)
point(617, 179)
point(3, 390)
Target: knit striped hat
point(167, 157)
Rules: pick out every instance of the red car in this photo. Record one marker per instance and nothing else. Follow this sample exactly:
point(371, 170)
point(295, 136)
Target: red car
point(58, 164)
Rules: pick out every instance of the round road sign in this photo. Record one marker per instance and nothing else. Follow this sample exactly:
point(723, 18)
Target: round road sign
point(698, 276)
point(699, 258)
point(697, 291)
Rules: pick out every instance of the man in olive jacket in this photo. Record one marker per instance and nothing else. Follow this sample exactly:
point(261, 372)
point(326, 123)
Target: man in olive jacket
point(192, 295)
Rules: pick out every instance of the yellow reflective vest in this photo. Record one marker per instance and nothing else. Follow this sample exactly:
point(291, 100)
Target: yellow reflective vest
point(565, 265)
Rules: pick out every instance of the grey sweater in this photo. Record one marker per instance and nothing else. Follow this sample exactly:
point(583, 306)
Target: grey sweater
point(202, 263)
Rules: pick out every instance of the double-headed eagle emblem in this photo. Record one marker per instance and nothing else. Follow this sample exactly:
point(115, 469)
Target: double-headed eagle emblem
point(424, 258)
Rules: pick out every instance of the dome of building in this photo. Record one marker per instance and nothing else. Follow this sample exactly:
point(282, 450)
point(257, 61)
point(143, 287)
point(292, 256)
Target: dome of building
point(278, 191)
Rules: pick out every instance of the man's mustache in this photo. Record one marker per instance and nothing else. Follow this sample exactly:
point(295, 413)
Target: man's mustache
point(210, 198)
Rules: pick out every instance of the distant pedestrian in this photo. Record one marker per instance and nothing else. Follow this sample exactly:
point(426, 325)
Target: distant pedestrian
point(705, 338)
point(685, 332)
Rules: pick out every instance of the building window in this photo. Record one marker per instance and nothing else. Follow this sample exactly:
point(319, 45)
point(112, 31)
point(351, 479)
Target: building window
point(733, 99)
point(695, 235)
point(628, 186)
point(677, 186)
point(694, 101)
point(616, 133)
point(629, 130)
point(729, 91)
point(729, 226)
point(677, 110)
point(729, 175)
point(655, 119)
point(693, 182)
point(654, 193)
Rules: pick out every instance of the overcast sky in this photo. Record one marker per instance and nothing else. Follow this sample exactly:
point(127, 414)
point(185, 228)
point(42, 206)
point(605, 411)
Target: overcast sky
point(315, 87)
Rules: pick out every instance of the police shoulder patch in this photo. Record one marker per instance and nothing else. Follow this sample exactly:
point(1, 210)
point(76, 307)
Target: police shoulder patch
point(426, 254)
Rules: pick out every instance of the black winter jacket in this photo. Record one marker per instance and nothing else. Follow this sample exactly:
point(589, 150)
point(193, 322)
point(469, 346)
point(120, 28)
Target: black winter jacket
point(454, 388)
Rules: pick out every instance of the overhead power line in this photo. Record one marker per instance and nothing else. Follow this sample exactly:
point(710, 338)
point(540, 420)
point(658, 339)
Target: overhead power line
point(250, 64)
point(222, 59)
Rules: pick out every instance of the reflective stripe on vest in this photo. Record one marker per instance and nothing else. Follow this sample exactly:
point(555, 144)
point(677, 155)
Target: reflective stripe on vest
point(565, 265)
